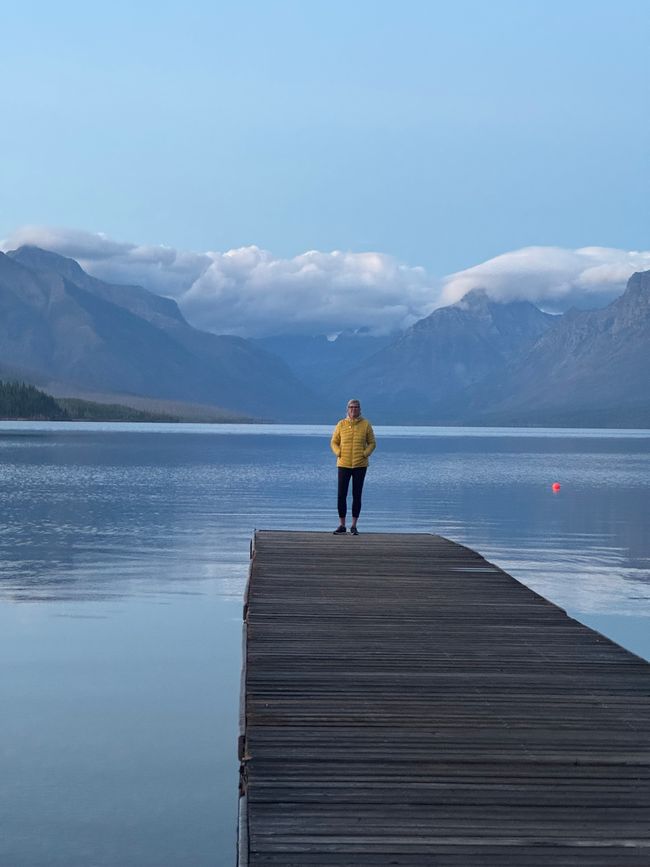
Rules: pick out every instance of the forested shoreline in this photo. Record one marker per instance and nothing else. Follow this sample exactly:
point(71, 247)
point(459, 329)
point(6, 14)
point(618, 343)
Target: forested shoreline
point(21, 401)
point(18, 400)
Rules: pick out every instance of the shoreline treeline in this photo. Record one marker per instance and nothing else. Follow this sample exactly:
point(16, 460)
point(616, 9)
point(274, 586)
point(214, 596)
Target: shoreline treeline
point(19, 400)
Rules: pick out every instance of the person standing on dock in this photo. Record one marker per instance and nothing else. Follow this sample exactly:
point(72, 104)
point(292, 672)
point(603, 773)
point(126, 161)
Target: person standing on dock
point(353, 441)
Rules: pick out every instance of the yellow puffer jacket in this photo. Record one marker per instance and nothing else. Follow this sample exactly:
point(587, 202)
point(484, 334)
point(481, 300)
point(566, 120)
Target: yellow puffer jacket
point(353, 441)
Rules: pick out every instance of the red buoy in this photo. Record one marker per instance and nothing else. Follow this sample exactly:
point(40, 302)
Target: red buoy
point(556, 487)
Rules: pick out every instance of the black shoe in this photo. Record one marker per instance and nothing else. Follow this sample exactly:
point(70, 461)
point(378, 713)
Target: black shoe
point(354, 531)
point(339, 531)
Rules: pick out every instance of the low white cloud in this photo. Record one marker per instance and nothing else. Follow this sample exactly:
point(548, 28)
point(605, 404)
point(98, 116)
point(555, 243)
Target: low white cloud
point(256, 293)
point(251, 292)
point(67, 242)
point(551, 277)
point(160, 269)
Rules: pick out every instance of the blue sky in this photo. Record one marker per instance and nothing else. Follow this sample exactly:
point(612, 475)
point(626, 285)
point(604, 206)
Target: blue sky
point(438, 133)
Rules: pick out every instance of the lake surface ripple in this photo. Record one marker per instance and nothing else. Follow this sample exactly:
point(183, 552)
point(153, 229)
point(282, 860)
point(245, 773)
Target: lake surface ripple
point(123, 557)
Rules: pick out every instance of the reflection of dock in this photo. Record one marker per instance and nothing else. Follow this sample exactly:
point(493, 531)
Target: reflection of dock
point(407, 703)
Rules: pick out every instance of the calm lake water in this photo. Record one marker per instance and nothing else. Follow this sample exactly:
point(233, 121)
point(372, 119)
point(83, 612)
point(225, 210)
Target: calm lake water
point(123, 558)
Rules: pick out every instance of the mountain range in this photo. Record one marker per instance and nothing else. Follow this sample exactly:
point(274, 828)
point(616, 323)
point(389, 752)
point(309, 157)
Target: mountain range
point(421, 373)
point(474, 362)
point(66, 329)
point(592, 368)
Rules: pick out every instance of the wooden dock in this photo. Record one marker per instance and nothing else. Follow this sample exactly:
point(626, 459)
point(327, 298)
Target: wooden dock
point(405, 702)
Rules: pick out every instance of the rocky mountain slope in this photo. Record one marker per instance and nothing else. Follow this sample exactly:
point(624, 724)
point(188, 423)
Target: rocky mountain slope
point(591, 368)
point(430, 364)
point(68, 327)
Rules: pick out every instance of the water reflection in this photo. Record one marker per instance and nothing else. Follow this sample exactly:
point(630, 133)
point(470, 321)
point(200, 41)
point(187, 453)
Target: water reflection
point(120, 695)
point(99, 514)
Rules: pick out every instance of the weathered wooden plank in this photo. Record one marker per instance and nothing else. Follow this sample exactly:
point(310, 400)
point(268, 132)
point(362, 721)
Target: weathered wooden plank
point(407, 702)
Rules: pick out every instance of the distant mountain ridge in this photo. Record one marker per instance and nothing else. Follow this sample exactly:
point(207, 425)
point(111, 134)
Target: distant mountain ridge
point(441, 355)
point(591, 368)
point(137, 300)
point(321, 361)
point(61, 323)
point(474, 362)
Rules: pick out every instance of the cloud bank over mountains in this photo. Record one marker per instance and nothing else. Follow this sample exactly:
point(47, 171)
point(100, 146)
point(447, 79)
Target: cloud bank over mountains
point(251, 293)
point(553, 278)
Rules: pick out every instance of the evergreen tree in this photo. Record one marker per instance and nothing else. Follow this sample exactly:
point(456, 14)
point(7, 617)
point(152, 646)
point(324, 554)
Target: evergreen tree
point(21, 401)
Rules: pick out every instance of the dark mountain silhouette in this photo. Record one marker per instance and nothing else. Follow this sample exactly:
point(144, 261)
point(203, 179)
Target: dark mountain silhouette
point(68, 327)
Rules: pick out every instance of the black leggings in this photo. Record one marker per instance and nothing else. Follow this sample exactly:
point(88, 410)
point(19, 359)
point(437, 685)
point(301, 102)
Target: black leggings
point(357, 475)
